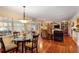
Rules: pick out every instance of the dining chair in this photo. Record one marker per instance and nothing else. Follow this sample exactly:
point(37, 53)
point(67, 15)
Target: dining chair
point(32, 45)
point(7, 44)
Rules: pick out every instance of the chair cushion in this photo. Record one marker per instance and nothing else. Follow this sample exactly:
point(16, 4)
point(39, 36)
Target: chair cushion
point(31, 45)
point(7, 40)
point(10, 46)
point(28, 44)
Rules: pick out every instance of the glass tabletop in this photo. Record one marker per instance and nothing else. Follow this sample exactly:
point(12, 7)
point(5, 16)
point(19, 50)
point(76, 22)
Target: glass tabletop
point(21, 38)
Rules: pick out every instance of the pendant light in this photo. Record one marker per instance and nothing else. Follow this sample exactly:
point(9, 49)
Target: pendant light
point(24, 20)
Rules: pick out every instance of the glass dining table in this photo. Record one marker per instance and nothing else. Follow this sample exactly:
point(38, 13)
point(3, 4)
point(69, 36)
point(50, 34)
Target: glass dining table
point(22, 40)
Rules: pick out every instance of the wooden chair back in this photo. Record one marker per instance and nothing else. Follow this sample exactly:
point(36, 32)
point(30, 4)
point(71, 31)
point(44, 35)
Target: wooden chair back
point(2, 45)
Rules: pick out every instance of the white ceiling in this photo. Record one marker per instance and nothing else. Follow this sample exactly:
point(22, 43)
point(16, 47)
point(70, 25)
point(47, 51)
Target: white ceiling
point(46, 12)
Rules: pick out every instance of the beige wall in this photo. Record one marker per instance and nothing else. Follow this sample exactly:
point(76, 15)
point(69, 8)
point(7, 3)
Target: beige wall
point(10, 14)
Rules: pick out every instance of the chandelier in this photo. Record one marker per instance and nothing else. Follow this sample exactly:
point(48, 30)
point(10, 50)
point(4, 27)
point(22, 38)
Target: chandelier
point(24, 20)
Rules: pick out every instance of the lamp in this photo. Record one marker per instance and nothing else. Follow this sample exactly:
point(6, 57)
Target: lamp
point(24, 20)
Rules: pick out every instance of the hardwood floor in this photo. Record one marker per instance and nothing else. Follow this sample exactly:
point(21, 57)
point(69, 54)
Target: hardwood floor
point(50, 46)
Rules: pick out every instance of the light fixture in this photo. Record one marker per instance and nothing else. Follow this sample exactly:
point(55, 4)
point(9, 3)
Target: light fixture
point(24, 20)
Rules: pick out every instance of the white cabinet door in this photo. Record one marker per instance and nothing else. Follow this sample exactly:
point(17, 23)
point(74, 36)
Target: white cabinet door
point(74, 35)
point(77, 39)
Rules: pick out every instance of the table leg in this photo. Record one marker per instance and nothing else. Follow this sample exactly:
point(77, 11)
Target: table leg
point(22, 47)
point(17, 46)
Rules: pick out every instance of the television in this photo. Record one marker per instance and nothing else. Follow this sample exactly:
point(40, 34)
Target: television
point(57, 26)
